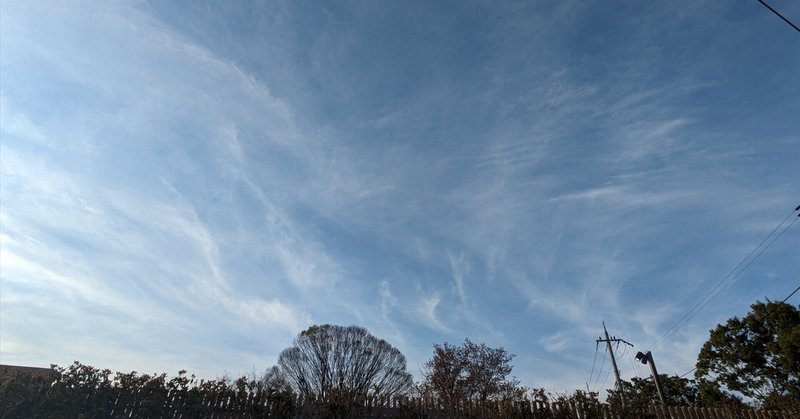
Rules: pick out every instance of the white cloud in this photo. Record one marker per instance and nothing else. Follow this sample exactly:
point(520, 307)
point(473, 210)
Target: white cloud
point(387, 299)
point(427, 309)
point(460, 267)
point(222, 183)
point(556, 342)
point(272, 312)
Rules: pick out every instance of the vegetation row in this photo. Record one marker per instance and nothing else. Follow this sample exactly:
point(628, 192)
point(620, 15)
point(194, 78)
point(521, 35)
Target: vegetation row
point(336, 371)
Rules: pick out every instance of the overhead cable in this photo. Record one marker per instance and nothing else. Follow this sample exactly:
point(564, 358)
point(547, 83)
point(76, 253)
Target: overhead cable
point(779, 15)
point(730, 277)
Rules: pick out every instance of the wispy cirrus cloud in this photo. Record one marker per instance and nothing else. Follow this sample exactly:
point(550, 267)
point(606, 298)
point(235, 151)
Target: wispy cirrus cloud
point(130, 237)
point(209, 173)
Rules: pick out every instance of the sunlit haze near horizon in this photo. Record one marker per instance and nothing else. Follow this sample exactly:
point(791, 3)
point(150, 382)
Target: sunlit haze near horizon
point(189, 184)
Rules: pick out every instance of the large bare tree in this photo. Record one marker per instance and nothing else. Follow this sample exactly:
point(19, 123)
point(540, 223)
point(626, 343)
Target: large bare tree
point(328, 358)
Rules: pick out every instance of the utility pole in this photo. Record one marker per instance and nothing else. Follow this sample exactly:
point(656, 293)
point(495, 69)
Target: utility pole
point(647, 358)
point(608, 341)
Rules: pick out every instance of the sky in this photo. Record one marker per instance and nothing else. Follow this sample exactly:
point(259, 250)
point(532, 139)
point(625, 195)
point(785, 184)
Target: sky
point(188, 185)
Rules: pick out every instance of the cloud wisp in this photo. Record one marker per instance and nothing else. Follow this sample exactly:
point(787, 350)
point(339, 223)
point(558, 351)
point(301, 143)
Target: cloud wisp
point(209, 180)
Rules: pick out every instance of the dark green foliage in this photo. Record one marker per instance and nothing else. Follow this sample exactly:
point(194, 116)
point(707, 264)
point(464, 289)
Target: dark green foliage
point(23, 394)
point(84, 391)
point(80, 391)
point(711, 395)
point(677, 391)
point(757, 356)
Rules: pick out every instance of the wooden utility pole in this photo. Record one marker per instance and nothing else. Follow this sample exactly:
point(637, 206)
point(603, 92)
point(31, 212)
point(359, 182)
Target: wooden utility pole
point(608, 341)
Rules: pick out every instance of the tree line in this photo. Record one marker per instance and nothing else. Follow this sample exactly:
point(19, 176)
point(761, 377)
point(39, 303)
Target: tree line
point(752, 361)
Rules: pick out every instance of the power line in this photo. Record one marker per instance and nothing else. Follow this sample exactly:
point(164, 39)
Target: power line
point(596, 347)
point(624, 353)
point(635, 364)
point(600, 373)
point(718, 289)
point(688, 372)
point(729, 278)
point(790, 295)
point(608, 339)
point(606, 380)
point(769, 312)
point(765, 317)
point(779, 15)
point(621, 356)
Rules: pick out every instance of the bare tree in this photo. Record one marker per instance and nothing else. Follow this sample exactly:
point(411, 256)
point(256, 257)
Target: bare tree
point(470, 371)
point(330, 358)
point(272, 380)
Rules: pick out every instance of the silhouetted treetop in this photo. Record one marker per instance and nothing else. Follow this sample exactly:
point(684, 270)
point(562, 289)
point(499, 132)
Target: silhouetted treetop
point(470, 371)
point(757, 356)
point(349, 359)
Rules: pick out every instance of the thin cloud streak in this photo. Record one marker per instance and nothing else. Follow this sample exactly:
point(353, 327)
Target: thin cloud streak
point(530, 176)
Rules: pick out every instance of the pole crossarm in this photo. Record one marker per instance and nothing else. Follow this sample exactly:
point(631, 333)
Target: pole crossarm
point(608, 341)
point(614, 339)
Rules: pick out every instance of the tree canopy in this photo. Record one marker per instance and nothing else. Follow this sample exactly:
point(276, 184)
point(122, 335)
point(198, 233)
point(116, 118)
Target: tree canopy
point(757, 356)
point(470, 371)
point(272, 380)
point(677, 391)
point(335, 359)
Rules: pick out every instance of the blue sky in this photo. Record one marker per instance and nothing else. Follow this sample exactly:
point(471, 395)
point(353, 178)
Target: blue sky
point(190, 184)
